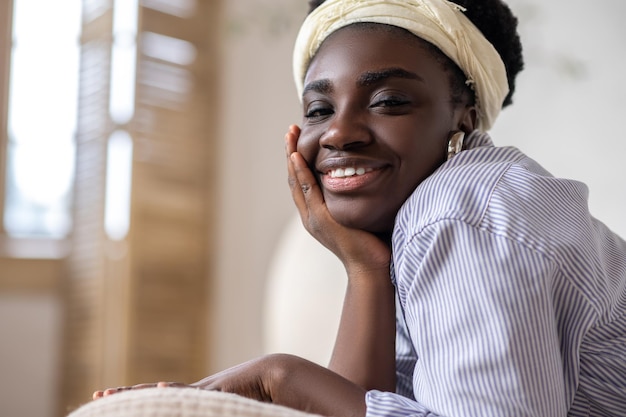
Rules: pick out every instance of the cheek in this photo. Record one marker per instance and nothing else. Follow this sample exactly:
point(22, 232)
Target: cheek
point(308, 145)
point(418, 154)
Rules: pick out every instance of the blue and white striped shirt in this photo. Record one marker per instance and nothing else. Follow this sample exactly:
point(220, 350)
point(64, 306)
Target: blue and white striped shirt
point(511, 296)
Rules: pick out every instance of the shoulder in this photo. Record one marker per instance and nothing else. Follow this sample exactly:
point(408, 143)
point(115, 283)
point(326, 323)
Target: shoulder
point(461, 188)
point(498, 189)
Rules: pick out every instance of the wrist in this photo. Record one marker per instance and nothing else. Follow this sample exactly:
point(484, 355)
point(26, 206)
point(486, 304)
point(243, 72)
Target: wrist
point(372, 275)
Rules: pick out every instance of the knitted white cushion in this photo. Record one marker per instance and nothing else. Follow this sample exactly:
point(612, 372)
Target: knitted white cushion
point(181, 402)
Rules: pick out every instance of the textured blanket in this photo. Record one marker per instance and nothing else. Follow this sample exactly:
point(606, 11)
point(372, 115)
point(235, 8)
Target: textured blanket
point(181, 402)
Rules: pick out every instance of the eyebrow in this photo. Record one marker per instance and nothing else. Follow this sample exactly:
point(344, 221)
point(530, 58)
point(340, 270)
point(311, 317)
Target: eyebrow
point(325, 86)
point(373, 77)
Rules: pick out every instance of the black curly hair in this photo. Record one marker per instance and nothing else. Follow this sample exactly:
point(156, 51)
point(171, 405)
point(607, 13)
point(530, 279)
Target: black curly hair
point(498, 24)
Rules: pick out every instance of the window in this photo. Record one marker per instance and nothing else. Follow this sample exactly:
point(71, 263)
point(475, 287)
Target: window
point(41, 123)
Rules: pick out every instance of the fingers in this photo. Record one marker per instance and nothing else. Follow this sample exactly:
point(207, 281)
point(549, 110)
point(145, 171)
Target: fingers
point(291, 142)
point(172, 385)
point(111, 391)
point(307, 187)
point(291, 139)
point(302, 182)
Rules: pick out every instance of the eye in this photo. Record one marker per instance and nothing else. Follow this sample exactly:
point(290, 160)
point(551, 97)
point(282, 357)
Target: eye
point(317, 113)
point(316, 110)
point(390, 101)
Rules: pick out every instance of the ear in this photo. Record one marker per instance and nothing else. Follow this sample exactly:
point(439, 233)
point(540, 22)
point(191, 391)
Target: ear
point(466, 119)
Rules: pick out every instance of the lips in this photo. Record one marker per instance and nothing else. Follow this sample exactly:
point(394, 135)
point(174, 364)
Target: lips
point(342, 163)
point(349, 174)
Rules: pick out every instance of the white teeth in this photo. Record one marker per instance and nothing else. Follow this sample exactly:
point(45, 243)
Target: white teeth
point(348, 172)
point(338, 173)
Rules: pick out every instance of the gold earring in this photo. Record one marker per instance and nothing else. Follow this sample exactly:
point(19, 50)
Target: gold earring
point(455, 144)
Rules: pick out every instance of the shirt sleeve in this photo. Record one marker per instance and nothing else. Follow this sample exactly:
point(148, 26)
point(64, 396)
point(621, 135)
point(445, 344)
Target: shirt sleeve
point(479, 310)
point(405, 355)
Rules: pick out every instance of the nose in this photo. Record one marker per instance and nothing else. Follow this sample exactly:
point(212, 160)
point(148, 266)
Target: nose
point(347, 130)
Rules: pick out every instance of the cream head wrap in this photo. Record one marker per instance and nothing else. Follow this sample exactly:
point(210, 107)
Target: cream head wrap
point(440, 22)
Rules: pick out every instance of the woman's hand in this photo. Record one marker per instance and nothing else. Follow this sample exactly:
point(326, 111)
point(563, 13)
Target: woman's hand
point(250, 379)
point(360, 251)
point(253, 379)
point(280, 379)
point(364, 350)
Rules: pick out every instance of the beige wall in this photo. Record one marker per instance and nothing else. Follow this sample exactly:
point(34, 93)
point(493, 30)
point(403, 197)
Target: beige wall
point(30, 325)
point(259, 103)
point(30, 335)
point(569, 105)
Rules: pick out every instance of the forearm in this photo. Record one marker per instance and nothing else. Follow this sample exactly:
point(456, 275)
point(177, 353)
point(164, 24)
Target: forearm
point(304, 385)
point(364, 350)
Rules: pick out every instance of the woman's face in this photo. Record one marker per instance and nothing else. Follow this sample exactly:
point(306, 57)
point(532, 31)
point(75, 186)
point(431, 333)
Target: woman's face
point(377, 118)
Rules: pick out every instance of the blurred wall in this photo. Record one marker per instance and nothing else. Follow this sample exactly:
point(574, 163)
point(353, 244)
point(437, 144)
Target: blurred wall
point(30, 326)
point(569, 105)
point(259, 102)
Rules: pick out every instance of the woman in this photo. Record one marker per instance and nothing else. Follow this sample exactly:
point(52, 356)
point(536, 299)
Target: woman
point(478, 284)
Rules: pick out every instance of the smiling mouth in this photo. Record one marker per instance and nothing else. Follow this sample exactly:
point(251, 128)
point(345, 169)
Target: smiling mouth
point(348, 172)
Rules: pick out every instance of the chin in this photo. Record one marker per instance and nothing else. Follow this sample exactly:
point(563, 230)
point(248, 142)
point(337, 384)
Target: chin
point(363, 221)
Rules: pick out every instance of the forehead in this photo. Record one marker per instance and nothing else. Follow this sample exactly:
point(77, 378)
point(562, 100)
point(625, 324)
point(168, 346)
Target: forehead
point(373, 46)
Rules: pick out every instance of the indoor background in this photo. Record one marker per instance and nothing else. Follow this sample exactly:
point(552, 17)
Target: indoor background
point(175, 251)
